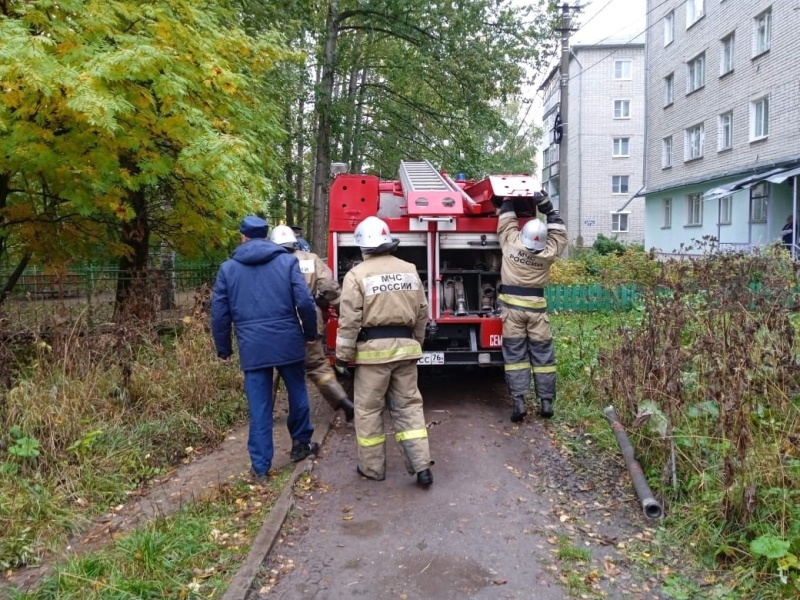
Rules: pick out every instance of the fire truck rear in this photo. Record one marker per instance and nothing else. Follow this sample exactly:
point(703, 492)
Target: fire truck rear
point(448, 229)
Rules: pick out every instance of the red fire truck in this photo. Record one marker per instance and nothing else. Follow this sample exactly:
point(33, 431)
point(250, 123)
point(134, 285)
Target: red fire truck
point(448, 229)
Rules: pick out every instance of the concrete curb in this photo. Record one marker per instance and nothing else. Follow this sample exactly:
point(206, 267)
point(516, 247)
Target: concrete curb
point(241, 585)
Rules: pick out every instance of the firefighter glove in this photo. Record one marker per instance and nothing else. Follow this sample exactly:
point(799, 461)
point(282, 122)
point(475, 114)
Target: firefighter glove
point(342, 368)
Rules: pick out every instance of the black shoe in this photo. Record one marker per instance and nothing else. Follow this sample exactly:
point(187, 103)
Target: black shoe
point(259, 478)
point(349, 410)
point(547, 408)
point(301, 450)
point(360, 472)
point(518, 410)
point(424, 478)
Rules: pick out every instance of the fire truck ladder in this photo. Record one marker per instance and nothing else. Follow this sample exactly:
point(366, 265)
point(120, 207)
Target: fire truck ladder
point(426, 191)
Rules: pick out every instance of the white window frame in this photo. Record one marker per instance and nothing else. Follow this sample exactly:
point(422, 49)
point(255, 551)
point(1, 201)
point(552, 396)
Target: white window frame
point(694, 142)
point(666, 152)
point(759, 197)
point(621, 147)
point(623, 103)
point(618, 182)
point(667, 213)
point(669, 28)
point(622, 62)
point(694, 209)
point(620, 221)
point(726, 210)
point(696, 73)
point(695, 10)
point(759, 118)
point(669, 89)
point(725, 131)
point(727, 54)
point(762, 32)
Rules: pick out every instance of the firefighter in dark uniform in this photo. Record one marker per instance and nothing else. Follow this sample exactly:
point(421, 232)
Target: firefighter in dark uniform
point(382, 318)
point(527, 337)
point(326, 292)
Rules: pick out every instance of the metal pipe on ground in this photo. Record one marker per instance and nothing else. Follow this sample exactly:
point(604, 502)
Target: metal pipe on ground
point(651, 507)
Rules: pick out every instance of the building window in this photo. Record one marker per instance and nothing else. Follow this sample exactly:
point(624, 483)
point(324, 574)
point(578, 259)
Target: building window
point(623, 69)
point(621, 147)
point(695, 9)
point(669, 89)
point(725, 131)
point(726, 57)
point(758, 202)
point(667, 213)
point(666, 152)
point(763, 32)
point(619, 184)
point(622, 109)
point(695, 137)
point(669, 28)
point(619, 222)
point(696, 75)
point(759, 119)
point(725, 210)
point(694, 209)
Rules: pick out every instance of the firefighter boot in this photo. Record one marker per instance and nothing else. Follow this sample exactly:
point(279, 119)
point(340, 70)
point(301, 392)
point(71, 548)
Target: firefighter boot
point(518, 410)
point(547, 408)
point(347, 407)
point(461, 298)
point(425, 478)
point(487, 298)
point(449, 295)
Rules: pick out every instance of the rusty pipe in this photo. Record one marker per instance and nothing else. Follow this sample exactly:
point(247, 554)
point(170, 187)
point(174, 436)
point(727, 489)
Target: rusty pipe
point(651, 507)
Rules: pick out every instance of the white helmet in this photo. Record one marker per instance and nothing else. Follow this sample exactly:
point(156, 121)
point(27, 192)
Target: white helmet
point(283, 236)
point(374, 237)
point(534, 235)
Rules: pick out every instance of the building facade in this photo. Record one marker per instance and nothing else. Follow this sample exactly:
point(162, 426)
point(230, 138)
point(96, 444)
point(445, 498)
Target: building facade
point(605, 141)
point(723, 117)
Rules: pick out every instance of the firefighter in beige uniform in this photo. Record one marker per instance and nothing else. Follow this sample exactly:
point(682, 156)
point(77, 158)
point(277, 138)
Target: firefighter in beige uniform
point(326, 292)
point(382, 318)
point(527, 337)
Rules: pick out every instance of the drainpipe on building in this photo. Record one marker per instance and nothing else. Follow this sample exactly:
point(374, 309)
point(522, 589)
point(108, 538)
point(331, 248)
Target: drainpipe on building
point(794, 219)
point(579, 237)
point(646, 116)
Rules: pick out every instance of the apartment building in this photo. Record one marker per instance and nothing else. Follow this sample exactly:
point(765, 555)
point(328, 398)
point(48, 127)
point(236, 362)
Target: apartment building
point(605, 140)
point(723, 117)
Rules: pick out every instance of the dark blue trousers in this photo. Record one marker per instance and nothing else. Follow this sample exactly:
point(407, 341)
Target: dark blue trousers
point(258, 387)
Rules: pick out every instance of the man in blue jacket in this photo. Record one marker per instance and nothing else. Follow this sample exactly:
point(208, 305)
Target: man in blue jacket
point(261, 291)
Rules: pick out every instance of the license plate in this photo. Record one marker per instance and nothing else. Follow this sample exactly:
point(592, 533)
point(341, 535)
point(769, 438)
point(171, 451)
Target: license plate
point(431, 358)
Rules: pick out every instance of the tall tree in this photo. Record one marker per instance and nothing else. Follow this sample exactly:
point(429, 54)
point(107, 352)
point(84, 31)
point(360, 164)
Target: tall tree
point(106, 100)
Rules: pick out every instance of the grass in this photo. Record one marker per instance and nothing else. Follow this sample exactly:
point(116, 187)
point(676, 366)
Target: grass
point(713, 368)
point(87, 417)
point(191, 554)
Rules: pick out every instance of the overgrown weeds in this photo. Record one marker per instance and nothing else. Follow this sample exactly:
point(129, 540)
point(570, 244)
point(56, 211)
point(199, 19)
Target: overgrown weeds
point(88, 414)
point(708, 383)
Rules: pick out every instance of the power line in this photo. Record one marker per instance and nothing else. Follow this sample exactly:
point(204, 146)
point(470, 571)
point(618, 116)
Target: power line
point(629, 42)
point(589, 20)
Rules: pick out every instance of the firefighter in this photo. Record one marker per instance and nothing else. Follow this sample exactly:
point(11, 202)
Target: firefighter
point(326, 292)
point(382, 318)
point(525, 271)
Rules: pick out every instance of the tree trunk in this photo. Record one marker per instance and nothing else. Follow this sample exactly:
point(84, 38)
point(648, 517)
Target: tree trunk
point(323, 108)
point(289, 166)
point(350, 116)
point(357, 152)
point(301, 173)
point(14, 277)
point(133, 266)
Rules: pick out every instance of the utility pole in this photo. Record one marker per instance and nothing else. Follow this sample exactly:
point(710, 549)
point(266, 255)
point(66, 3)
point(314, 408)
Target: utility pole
point(563, 110)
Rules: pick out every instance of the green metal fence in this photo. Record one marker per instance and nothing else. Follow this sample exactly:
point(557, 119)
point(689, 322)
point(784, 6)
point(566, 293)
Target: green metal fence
point(590, 297)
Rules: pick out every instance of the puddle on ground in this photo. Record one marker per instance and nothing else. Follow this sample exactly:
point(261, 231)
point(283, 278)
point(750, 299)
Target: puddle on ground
point(362, 529)
point(441, 576)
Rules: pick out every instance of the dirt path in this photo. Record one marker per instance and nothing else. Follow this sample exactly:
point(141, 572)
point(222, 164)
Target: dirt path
point(198, 479)
point(507, 517)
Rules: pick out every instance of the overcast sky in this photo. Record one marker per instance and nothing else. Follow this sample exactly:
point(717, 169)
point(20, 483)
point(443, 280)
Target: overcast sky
point(613, 19)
